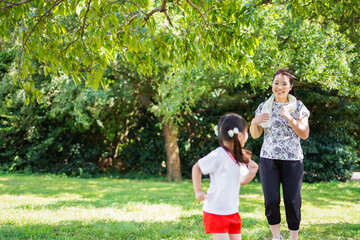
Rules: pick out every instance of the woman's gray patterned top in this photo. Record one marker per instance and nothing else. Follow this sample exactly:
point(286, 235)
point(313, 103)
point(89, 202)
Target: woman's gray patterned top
point(280, 140)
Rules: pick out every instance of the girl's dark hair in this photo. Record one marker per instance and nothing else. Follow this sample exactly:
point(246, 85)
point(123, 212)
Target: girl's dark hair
point(229, 122)
point(287, 72)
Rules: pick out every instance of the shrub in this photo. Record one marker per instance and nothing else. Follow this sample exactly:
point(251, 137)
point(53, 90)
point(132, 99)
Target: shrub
point(329, 157)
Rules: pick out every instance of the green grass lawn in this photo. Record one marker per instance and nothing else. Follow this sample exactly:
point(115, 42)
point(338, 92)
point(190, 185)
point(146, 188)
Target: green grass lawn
point(50, 207)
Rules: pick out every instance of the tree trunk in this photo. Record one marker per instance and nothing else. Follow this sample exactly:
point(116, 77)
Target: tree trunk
point(172, 153)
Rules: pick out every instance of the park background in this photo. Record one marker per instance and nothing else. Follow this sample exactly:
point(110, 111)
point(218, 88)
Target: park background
point(88, 92)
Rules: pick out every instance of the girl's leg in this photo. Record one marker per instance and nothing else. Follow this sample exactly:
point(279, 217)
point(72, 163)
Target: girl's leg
point(292, 176)
point(226, 236)
point(235, 236)
point(270, 181)
point(220, 236)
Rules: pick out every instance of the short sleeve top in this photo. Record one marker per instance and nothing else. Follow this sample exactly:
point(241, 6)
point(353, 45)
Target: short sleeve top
point(280, 140)
point(225, 176)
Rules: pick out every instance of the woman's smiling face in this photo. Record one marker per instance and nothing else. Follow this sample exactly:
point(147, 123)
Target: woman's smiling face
point(281, 87)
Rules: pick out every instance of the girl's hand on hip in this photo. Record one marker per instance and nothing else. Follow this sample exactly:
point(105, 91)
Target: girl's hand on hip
point(264, 117)
point(201, 196)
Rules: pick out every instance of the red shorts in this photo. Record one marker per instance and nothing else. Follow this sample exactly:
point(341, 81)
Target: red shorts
point(222, 223)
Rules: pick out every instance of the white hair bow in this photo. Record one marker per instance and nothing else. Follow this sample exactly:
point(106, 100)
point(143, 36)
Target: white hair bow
point(216, 130)
point(234, 131)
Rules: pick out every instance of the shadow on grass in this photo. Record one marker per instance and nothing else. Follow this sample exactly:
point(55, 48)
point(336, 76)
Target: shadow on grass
point(186, 228)
point(102, 192)
point(86, 188)
point(119, 200)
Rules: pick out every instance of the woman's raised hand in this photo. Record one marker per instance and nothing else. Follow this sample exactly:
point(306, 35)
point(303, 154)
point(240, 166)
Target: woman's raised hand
point(264, 117)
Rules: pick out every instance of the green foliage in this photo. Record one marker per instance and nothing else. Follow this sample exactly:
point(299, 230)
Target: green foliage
point(180, 92)
point(37, 140)
point(6, 59)
point(329, 157)
point(80, 38)
point(75, 130)
point(344, 12)
point(318, 53)
point(144, 155)
point(332, 150)
point(79, 131)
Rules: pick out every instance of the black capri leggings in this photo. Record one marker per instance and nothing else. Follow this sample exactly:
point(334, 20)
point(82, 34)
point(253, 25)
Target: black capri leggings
point(290, 174)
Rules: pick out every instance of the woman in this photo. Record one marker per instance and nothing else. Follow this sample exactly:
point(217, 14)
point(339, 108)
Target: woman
point(284, 120)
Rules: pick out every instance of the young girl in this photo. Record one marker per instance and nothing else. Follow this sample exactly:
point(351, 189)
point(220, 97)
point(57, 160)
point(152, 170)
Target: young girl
point(284, 121)
point(227, 168)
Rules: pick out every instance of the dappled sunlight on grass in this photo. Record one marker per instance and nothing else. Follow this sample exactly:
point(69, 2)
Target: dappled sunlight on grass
point(122, 190)
point(16, 201)
point(50, 207)
point(145, 212)
point(331, 203)
point(333, 214)
point(136, 212)
point(87, 202)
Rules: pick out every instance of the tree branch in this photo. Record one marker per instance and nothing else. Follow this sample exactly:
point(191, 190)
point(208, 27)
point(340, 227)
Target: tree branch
point(199, 10)
point(83, 29)
point(133, 18)
point(146, 17)
point(168, 17)
point(69, 45)
point(163, 9)
point(204, 15)
point(12, 4)
point(163, 5)
point(149, 14)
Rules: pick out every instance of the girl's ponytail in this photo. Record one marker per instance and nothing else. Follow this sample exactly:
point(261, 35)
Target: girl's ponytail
point(241, 155)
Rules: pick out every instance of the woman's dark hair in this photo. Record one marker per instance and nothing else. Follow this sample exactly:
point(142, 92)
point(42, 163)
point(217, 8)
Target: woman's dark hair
point(229, 122)
point(287, 72)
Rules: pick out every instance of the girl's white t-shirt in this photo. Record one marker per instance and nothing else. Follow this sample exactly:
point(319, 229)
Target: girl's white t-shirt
point(225, 176)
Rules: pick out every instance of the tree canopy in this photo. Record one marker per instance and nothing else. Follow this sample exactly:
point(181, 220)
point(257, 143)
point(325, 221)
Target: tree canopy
point(81, 37)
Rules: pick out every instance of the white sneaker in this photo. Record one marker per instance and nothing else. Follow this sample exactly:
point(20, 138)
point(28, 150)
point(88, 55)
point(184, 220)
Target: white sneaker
point(281, 238)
